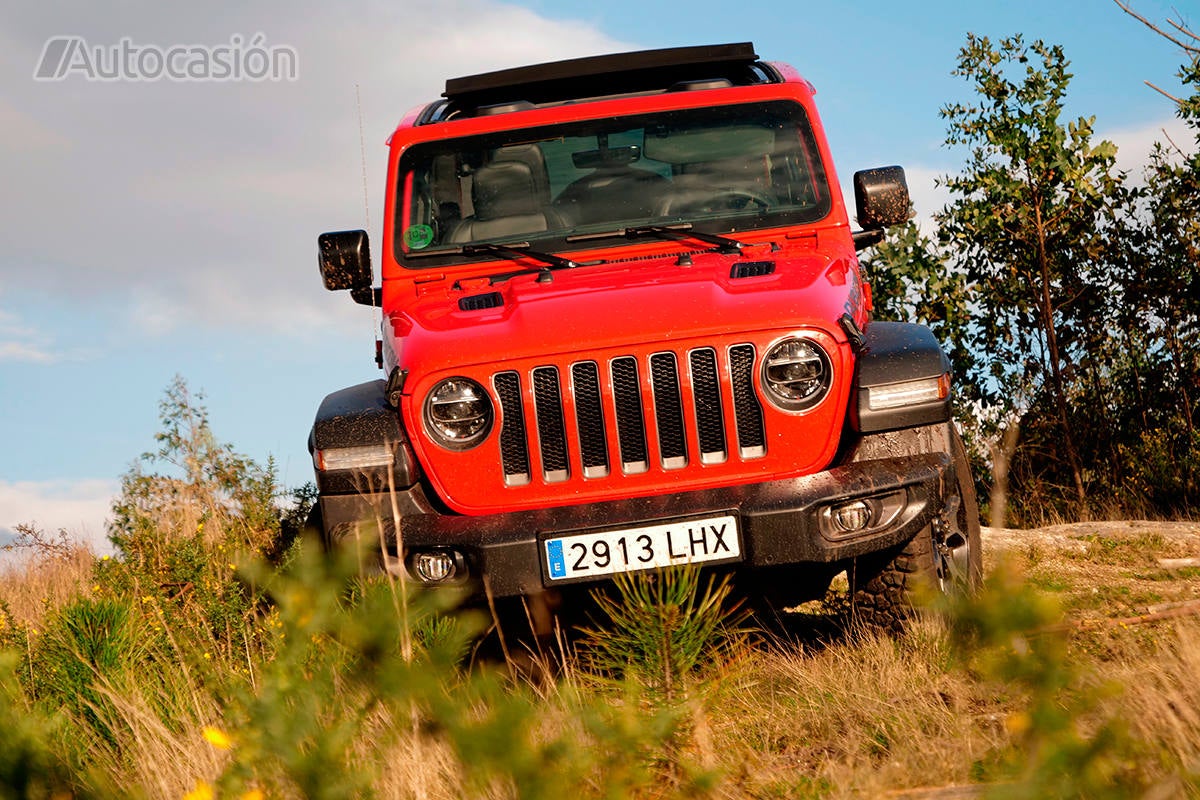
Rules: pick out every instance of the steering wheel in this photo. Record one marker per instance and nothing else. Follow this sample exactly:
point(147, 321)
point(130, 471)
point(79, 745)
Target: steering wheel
point(714, 202)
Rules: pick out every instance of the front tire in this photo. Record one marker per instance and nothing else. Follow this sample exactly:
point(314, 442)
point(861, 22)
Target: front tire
point(945, 558)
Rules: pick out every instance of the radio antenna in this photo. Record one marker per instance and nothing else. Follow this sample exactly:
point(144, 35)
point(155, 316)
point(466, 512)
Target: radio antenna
point(376, 313)
point(362, 150)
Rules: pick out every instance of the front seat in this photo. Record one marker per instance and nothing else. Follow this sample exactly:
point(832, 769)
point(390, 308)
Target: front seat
point(505, 199)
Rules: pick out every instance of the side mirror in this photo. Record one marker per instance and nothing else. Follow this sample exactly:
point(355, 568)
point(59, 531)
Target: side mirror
point(345, 260)
point(881, 197)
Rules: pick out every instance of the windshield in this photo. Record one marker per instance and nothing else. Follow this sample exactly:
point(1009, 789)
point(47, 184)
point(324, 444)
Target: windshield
point(723, 169)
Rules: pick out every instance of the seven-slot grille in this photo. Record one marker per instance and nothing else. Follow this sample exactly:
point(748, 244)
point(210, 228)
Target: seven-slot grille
point(629, 414)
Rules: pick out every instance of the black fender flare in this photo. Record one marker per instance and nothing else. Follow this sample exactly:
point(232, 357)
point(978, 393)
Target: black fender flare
point(360, 416)
point(892, 353)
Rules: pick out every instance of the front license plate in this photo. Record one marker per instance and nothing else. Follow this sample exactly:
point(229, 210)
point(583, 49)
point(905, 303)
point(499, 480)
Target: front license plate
point(696, 541)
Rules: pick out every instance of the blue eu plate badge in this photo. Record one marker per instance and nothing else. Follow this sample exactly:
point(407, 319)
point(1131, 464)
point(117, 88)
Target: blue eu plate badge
point(554, 551)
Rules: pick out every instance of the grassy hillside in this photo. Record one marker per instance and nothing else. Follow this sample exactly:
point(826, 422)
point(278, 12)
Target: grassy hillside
point(1077, 673)
point(217, 657)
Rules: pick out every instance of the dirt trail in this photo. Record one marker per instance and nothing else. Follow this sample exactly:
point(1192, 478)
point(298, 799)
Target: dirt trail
point(1075, 535)
point(1107, 573)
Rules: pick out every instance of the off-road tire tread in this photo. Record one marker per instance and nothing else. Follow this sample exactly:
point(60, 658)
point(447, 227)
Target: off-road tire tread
point(883, 584)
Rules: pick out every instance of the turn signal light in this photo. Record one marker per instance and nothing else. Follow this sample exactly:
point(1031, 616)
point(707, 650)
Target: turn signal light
point(908, 393)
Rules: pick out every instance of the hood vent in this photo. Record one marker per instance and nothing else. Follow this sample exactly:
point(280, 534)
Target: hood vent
point(752, 269)
point(481, 302)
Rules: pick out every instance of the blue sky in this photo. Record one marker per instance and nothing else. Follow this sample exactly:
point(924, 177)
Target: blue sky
point(162, 228)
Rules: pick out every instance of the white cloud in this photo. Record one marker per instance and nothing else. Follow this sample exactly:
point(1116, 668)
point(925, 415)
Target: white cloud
point(199, 204)
point(19, 342)
point(24, 134)
point(29, 353)
point(79, 507)
point(927, 196)
point(1134, 145)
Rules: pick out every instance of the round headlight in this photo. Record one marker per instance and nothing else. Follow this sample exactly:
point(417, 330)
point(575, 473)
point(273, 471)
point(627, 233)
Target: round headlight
point(796, 374)
point(458, 413)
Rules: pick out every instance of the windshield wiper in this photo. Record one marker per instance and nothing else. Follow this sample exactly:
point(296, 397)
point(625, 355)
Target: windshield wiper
point(521, 250)
point(518, 249)
point(680, 232)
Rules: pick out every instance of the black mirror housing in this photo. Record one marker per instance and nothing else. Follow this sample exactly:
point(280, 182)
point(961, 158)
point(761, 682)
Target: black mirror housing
point(344, 258)
point(881, 197)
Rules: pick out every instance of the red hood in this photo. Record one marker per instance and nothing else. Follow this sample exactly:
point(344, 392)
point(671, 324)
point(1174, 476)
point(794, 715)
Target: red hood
point(620, 304)
point(632, 308)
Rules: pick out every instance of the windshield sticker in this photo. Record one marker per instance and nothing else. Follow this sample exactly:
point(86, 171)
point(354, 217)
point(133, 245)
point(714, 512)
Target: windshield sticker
point(418, 237)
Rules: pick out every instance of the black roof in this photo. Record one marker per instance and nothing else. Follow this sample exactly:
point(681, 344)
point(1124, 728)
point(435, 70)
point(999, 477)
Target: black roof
point(614, 74)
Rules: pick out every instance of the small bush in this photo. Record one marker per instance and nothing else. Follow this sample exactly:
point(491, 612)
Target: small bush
point(91, 643)
point(658, 627)
point(30, 767)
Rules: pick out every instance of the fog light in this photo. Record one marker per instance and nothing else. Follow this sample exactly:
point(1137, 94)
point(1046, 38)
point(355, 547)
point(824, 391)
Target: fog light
point(435, 566)
point(853, 516)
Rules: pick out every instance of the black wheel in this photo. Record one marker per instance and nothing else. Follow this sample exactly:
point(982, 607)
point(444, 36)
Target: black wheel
point(946, 557)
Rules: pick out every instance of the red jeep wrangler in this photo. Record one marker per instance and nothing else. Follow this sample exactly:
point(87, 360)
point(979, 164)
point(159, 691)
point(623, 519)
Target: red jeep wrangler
point(625, 327)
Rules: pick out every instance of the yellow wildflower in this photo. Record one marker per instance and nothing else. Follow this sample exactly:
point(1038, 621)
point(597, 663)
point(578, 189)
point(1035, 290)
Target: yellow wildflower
point(202, 792)
point(1018, 722)
point(217, 738)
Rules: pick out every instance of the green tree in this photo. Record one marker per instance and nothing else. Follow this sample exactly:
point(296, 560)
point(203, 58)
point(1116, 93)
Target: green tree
point(1161, 291)
point(193, 486)
point(187, 512)
point(1026, 226)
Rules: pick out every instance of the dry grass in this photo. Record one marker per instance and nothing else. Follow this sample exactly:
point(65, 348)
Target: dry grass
point(1103, 572)
point(416, 765)
point(38, 583)
point(165, 761)
point(871, 716)
point(859, 716)
point(1161, 700)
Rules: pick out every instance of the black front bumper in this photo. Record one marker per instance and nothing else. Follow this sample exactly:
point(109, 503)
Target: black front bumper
point(780, 522)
